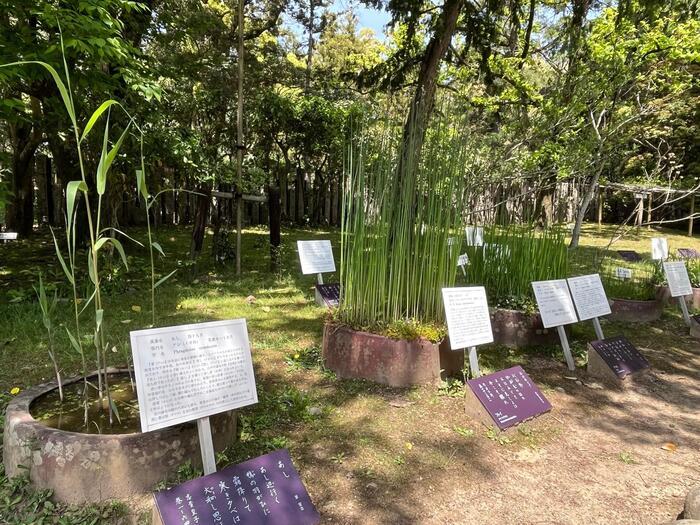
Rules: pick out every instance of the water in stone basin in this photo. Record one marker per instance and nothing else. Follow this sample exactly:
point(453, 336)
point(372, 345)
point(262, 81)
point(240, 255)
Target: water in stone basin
point(70, 415)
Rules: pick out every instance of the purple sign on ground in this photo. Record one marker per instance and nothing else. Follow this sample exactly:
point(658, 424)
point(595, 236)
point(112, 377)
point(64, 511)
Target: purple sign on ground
point(697, 318)
point(620, 355)
point(688, 253)
point(330, 293)
point(263, 490)
point(629, 255)
point(509, 396)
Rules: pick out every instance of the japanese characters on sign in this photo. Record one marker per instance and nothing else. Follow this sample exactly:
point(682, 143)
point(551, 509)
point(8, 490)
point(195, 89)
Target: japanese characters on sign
point(264, 490)
point(192, 371)
point(589, 296)
point(620, 355)
point(463, 260)
point(623, 273)
point(316, 256)
point(554, 302)
point(8, 236)
point(509, 396)
point(329, 293)
point(475, 235)
point(677, 277)
point(467, 313)
point(659, 248)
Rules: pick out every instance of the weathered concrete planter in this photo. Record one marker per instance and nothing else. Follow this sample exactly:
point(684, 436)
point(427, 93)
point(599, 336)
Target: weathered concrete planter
point(96, 467)
point(631, 311)
point(694, 328)
point(518, 329)
point(352, 354)
point(693, 301)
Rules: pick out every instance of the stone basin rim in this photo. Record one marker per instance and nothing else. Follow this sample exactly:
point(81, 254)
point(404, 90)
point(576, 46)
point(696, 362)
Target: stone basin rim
point(23, 401)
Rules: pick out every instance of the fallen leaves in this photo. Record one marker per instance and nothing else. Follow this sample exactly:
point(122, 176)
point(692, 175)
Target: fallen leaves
point(669, 447)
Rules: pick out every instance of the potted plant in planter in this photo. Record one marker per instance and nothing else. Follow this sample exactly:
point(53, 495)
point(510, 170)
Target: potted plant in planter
point(633, 290)
point(506, 265)
point(694, 274)
point(79, 437)
point(398, 215)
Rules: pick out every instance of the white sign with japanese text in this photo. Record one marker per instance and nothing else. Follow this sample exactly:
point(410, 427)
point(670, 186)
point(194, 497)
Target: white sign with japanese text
point(678, 280)
point(554, 301)
point(8, 236)
point(467, 314)
point(475, 235)
point(192, 371)
point(659, 248)
point(589, 296)
point(463, 260)
point(623, 273)
point(316, 256)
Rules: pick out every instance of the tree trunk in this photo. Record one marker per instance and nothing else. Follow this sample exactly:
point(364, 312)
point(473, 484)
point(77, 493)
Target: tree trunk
point(275, 217)
point(585, 203)
point(200, 221)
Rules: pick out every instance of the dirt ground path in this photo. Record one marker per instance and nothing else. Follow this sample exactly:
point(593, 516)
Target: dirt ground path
point(384, 456)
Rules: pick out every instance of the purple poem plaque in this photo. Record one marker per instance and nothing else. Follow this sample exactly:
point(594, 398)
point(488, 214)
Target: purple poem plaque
point(697, 318)
point(330, 293)
point(688, 253)
point(509, 396)
point(263, 490)
point(629, 255)
point(620, 355)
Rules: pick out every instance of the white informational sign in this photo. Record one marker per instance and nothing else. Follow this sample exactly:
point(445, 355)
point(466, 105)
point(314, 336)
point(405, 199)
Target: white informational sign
point(659, 248)
point(475, 235)
point(554, 302)
point(678, 280)
point(192, 371)
point(468, 319)
point(8, 236)
point(623, 273)
point(316, 257)
point(463, 260)
point(589, 296)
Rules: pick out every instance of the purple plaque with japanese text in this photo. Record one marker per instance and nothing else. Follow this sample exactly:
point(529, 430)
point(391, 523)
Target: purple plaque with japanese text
point(509, 396)
point(620, 355)
point(688, 253)
point(263, 490)
point(697, 318)
point(629, 255)
point(330, 293)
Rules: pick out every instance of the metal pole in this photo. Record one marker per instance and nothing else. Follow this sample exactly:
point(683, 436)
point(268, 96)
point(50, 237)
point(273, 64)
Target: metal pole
point(206, 444)
point(474, 362)
point(684, 309)
point(319, 278)
point(598, 329)
point(565, 346)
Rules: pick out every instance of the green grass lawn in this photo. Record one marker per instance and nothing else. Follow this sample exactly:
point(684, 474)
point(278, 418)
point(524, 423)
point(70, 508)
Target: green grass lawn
point(285, 329)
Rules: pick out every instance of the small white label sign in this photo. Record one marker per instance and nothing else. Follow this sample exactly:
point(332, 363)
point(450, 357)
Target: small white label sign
point(678, 280)
point(467, 314)
point(475, 235)
point(623, 273)
point(463, 260)
point(192, 371)
point(8, 236)
point(589, 296)
point(659, 248)
point(316, 257)
point(554, 302)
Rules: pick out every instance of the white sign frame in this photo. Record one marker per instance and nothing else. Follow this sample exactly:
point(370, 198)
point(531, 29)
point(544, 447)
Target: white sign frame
point(475, 235)
point(479, 308)
point(551, 316)
point(659, 248)
point(141, 341)
point(589, 296)
point(678, 279)
point(316, 256)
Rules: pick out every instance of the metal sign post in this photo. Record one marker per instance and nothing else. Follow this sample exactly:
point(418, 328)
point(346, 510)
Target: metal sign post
point(473, 361)
point(206, 445)
point(684, 309)
point(319, 278)
point(565, 347)
point(598, 330)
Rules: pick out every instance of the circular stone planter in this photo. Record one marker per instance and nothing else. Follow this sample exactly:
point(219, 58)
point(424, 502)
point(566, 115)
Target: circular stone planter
point(631, 311)
point(352, 354)
point(693, 301)
point(82, 468)
point(518, 329)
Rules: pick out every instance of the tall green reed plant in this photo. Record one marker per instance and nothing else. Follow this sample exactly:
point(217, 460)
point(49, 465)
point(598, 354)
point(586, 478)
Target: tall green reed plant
point(398, 214)
point(512, 258)
point(99, 239)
